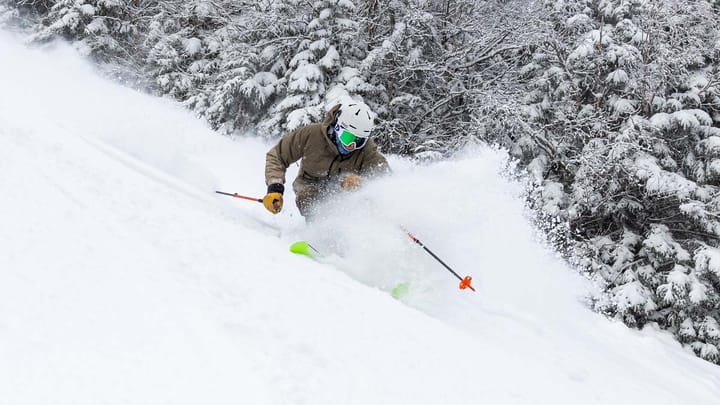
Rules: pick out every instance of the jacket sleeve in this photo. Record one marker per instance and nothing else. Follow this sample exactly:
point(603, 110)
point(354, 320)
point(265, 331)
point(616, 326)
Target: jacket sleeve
point(374, 163)
point(288, 151)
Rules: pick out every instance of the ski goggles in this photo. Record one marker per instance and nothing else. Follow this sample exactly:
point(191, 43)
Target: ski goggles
point(351, 141)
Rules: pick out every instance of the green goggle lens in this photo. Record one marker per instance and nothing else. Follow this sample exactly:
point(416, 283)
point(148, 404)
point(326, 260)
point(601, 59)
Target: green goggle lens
point(350, 141)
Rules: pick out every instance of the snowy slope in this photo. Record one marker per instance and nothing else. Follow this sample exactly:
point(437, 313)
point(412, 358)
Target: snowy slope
point(125, 280)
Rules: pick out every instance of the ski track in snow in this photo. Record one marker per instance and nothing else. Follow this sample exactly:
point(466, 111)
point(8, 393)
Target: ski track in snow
point(125, 280)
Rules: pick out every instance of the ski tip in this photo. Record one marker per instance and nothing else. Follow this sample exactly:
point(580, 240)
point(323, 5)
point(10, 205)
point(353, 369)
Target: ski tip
point(302, 248)
point(400, 290)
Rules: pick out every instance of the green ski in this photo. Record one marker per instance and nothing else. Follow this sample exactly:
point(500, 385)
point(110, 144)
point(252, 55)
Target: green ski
point(400, 290)
point(303, 248)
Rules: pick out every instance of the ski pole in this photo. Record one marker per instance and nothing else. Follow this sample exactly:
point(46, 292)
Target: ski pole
point(464, 282)
point(236, 195)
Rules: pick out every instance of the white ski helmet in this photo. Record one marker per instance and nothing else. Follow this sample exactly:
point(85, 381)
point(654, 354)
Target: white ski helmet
point(356, 118)
point(353, 124)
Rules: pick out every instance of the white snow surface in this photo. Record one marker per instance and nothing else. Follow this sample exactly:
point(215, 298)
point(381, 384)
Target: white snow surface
point(124, 279)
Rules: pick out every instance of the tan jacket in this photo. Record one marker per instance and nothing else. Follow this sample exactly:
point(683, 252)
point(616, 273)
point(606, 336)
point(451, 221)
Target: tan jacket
point(321, 160)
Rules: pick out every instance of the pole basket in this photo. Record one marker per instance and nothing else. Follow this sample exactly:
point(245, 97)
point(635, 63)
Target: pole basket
point(466, 283)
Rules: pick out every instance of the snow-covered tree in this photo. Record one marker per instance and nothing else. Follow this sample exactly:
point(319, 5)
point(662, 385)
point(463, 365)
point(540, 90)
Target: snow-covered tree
point(180, 50)
point(22, 15)
point(101, 28)
point(438, 64)
point(328, 48)
point(622, 99)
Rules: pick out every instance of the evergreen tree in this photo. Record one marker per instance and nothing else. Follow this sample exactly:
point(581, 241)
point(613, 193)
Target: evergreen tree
point(438, 64)
point(23, 15)
point(102, 29)
point(328, 48)
point(181, 51)
point(248, 71)
point(624, 94)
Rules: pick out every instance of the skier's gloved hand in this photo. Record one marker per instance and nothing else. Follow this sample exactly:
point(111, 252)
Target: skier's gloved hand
point(350, 182)
point(273, 200)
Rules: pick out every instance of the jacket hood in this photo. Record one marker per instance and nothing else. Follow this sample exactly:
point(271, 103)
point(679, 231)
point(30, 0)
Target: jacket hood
point(330, 117)
point(327, 122)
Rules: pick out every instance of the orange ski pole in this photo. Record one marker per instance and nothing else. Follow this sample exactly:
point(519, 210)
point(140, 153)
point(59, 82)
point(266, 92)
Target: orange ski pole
point(236, 195)
point(464, 282)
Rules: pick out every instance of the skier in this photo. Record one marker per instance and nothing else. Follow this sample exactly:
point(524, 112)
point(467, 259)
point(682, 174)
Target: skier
point(334, 154)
